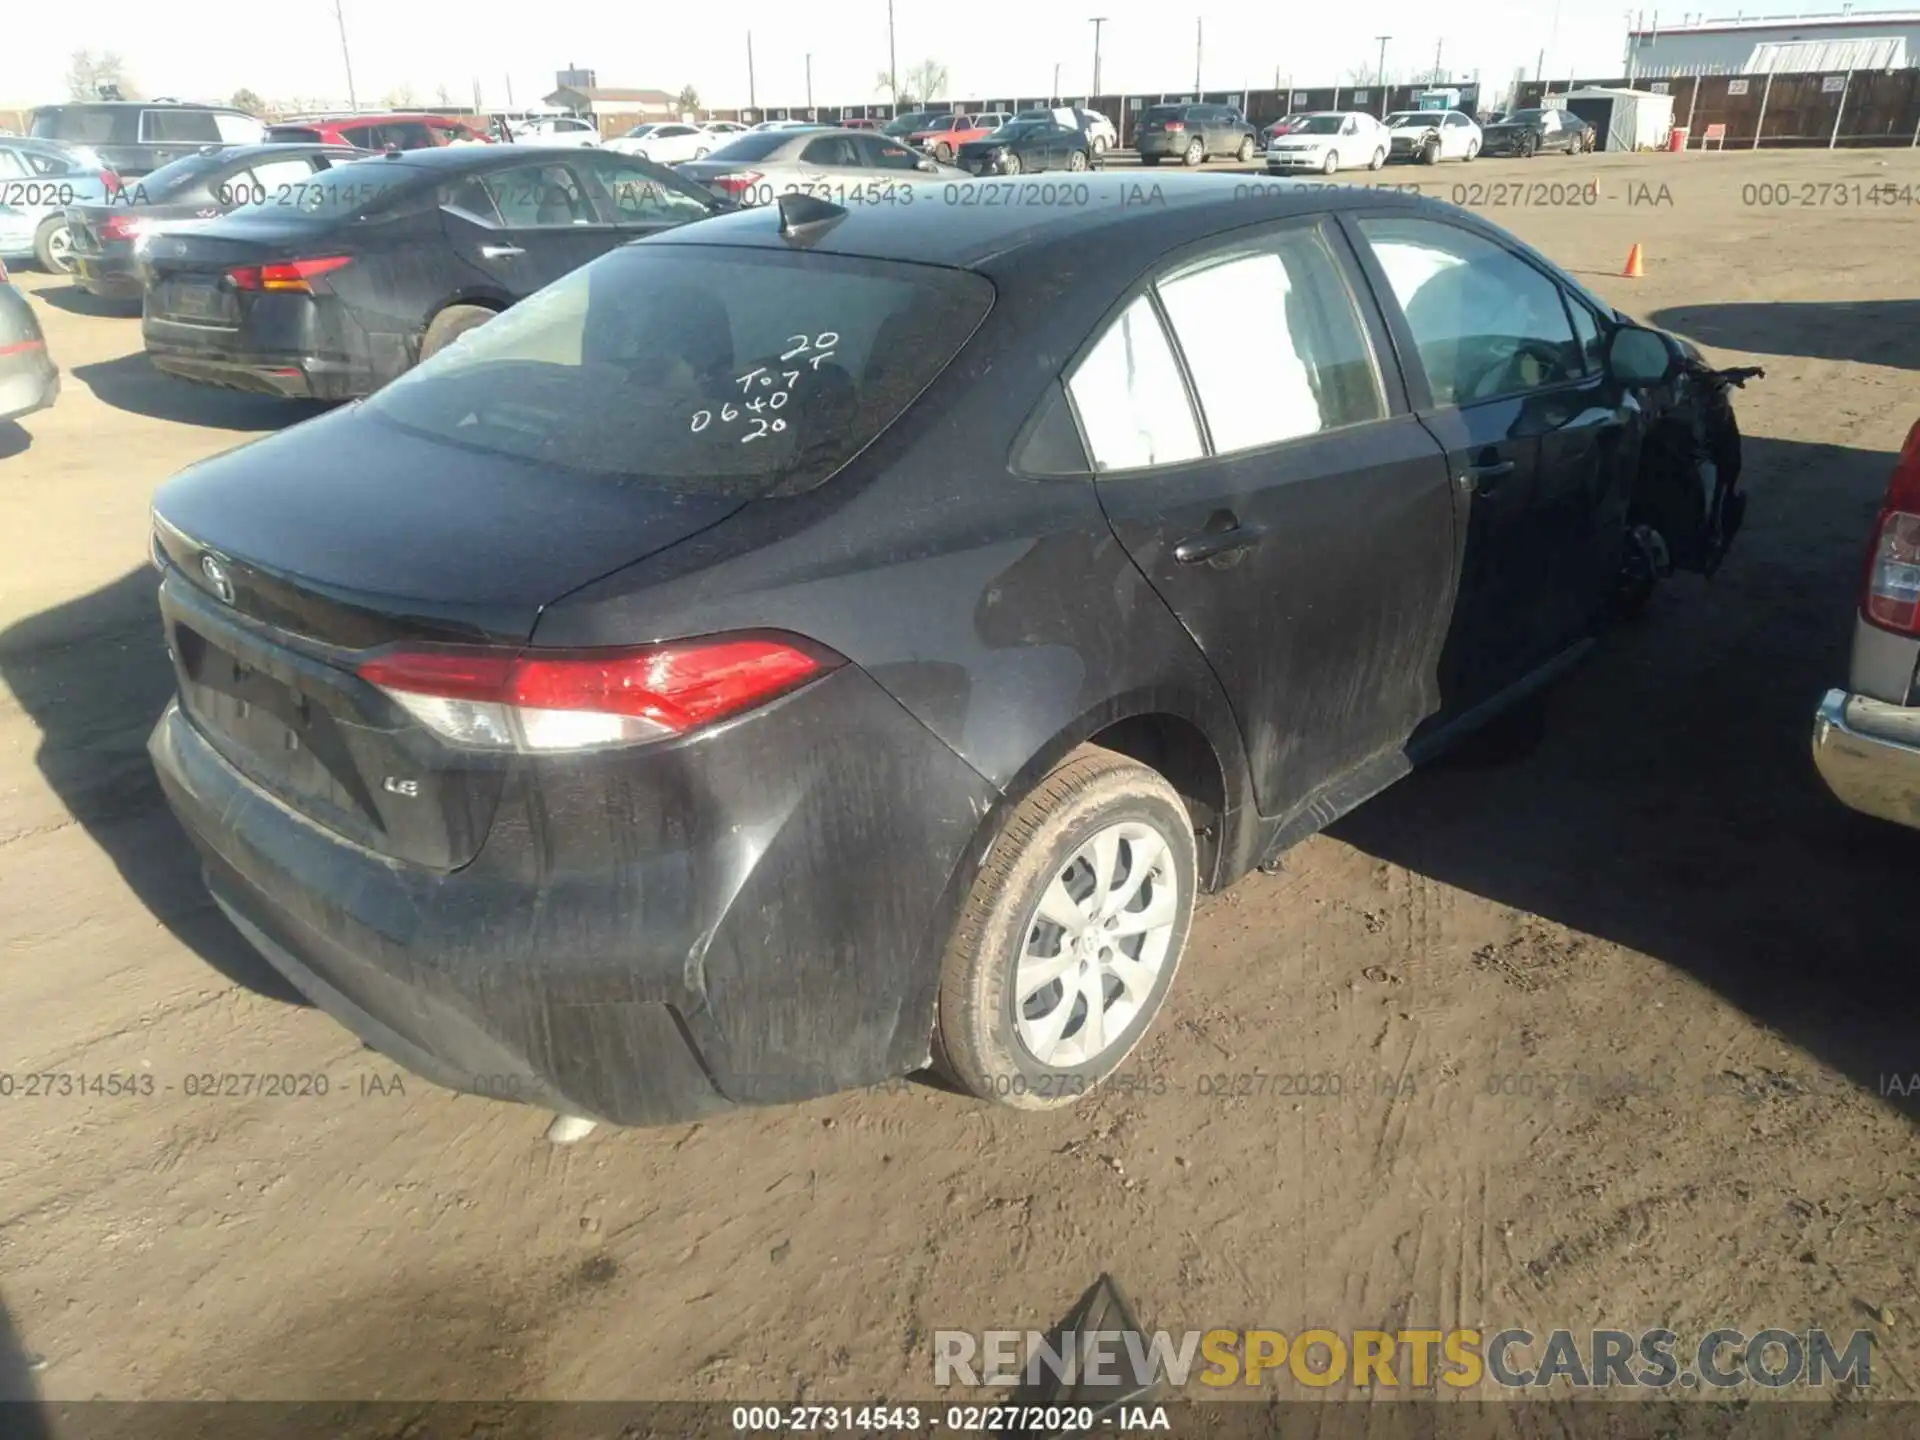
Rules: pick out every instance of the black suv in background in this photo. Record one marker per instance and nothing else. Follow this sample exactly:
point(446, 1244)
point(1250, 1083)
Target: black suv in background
point(1193, 133)
point(137, 137)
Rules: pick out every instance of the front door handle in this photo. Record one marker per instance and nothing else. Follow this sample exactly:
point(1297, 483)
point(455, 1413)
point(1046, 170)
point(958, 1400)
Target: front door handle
point(1215, 544)
point(1492, 470)
point(500, 252)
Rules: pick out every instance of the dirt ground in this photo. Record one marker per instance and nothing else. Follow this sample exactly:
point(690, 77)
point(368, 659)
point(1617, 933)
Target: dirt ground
point(1620, 1017)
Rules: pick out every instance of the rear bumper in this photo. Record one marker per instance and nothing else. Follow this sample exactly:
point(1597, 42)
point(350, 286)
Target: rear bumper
point(214, 356)
point(751, 917)
point(1164, 145)
point(1283, 160)
point(108, 276)
point(1868, 752)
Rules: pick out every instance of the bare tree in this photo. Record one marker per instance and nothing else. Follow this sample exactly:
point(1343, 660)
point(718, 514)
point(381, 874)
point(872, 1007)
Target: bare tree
point(927, 81)
point(399, 98)
point(245, 99)
point(440, 95)
point(89, 74)
point(688, 99)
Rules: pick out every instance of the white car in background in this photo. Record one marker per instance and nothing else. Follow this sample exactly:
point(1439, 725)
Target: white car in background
point(1431, 136)
point(557, 130)
point(766, 125)
point(1099, 129)
point(667, 142)
point(1330, 140)
point(724, 130)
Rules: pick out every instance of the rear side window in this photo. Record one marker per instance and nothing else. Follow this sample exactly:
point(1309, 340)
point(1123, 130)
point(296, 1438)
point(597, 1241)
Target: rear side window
point(835, 150)
point(756, 146)
point(1163, 112)
point(186, 176)
point(88, 124)
point(1312, 369)
point(632, 195)
point(1130, 399)
point(1486, 323)
point(359, 136)
point(179, 127)
point(295, 135)
point(697, 369)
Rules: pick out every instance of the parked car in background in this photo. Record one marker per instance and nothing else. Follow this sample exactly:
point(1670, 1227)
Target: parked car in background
point(757, 169)
point(1328, 141)
point(1030, 142)
point(105, 238)
point(1100, 130)
point(859, 123)
point(1431, 136)
point(904, 125)
point(513, 781)
point(724, 130)
point(134, 138)
point(767, 126)
point(1528, 132)
point(1866, 737)
point(29, 380)
point(1281, 126)
point(384, 132)
point(1192, 134)
point(667, 142)
point(39, 179)
point(946, 134)
point(331, 290)
point(557, 130)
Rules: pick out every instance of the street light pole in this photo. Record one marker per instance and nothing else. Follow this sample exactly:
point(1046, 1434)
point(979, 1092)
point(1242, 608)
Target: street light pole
point(1056, 82)
point(1097, 21)
point(1383, 71)
point(353, 101)
point(893, 65)
point(1198, 25)
point(753, 102)
point(810, 85)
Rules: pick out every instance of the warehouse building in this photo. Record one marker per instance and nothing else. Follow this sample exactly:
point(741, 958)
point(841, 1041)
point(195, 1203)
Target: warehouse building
point(1859, 40)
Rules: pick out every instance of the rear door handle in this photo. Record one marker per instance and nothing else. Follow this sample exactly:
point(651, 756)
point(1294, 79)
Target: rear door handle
point(500, 252)
point(1217, 543)
point(1492, 470)
point(1473, 477)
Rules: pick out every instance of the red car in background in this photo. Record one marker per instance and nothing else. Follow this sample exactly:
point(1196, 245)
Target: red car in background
point(945, 134)
point(385, 132)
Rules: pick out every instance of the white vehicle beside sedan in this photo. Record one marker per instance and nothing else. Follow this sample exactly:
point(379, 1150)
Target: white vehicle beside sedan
point(667, 142)
point(1330, 140)
point(557, 130)
point(1431, 136)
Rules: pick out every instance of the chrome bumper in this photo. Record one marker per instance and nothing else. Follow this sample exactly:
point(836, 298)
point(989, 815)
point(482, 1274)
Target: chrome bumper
point(1868, 752)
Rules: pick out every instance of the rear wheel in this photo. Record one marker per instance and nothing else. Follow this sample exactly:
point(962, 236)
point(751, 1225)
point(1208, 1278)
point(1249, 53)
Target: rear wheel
point(1196, 152)
point(943, 152)
point(1245, 152)
point(449, 325)
point(1068, 944)
point(1099, 144)
point(1013, 163)
point(53, 246)
point(1076, 160)
point(1379, 159)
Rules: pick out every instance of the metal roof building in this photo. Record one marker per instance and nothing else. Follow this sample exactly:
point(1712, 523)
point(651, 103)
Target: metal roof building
point(1837, 41)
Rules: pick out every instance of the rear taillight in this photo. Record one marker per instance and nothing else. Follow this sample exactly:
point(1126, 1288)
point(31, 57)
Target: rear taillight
point(1176, 125)
point(530, 701)
point(122, 227)
point(288, 275)
point(736, 183)
point(111, 181)
point(1893, 567)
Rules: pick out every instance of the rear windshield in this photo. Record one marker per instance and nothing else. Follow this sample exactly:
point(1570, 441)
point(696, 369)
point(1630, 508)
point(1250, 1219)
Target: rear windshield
point(756, 146)
point(1526, 115)
point(184, 176)
point(88, 124)
point(343, 190)
point(1165, 112)
point(697, 369)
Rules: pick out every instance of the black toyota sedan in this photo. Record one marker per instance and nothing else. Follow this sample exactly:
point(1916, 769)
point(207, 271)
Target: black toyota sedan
point(1527, 133)
point(1027, 143)
point(104, 238)
point(820, 641)
point(327, 288)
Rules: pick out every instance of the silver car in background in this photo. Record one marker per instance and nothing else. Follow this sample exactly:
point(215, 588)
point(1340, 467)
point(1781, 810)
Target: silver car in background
point(758, 168)
point(1866, 738)
point(39, 179)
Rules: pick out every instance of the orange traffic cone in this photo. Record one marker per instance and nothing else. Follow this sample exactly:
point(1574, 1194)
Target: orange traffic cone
point(1634, 270)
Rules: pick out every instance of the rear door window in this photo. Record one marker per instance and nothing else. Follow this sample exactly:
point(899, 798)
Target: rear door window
point(88, 124)
point(275, 178)
point(359, 136)
point(409, 135)
point(701, 369)
point(1130, 398)
point(879, 154)
point(832, 150)
point(532, 196)
point(178, 127)
point(1312, 369)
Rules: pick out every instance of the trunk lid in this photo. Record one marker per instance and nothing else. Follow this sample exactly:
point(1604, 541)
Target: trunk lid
point(287, 560)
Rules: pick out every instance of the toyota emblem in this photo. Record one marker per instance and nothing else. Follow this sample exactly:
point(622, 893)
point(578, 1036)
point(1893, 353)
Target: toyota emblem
point(217, 577)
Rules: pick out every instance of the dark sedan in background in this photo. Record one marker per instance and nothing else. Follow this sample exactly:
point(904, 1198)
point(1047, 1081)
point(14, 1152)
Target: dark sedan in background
point(29, 380)
point(104, 239)
point(1027, 143)
point(328, 288)
point(828, 638)
point(1529, 132)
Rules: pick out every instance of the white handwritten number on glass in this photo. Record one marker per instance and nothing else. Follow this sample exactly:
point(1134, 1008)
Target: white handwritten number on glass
point(759, 391)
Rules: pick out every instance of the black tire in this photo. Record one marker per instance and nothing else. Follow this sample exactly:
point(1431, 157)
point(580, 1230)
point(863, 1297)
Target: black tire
point(53, 246)
point(449, 325)
point(1014, 164)
point(943, 152)
point(1528, 145)
point(978, 1046)
point(1077, 160)
point(1245, 152)
point(1195, 153)
point(1473, 152)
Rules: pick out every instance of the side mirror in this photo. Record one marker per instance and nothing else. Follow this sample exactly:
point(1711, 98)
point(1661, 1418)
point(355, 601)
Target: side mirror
point(1639, 356)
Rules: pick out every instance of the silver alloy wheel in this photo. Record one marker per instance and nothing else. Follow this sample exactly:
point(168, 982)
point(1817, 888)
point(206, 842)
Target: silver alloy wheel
point(1095, 945)
point(1076, 160)
point(60, 249)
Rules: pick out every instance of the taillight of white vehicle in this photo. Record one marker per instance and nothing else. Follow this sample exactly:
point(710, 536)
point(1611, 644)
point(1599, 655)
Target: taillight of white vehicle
point(580, 700)
point(736, 182)
point(1893, 568)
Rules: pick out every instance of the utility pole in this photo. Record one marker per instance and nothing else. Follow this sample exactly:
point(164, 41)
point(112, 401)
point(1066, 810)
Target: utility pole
point(353, 101)
point(1198, 34)
point(752, 103)
point(809, 84)
point(1383, 71)
point(509, 80)
point(1097, 21)
point(893, 65)
point(1056, 82)
point(1438, 78)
